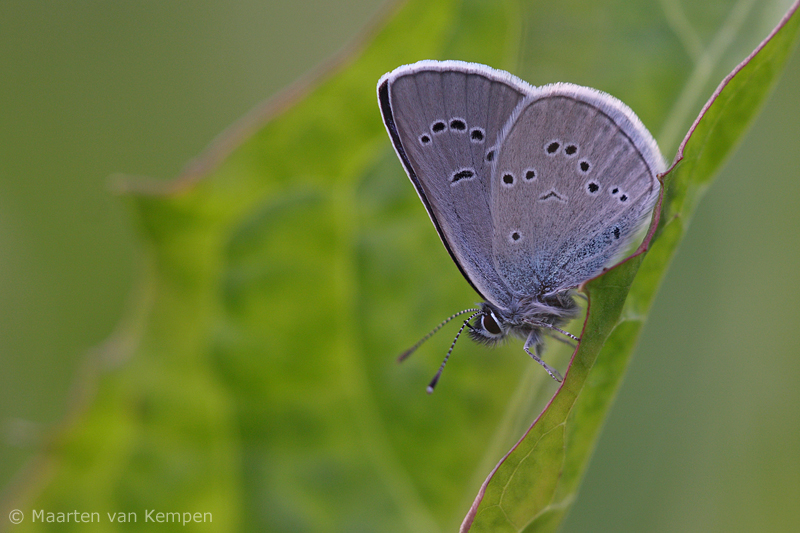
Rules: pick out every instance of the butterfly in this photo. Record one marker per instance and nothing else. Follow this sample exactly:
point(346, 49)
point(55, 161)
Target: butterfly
point(533, 190)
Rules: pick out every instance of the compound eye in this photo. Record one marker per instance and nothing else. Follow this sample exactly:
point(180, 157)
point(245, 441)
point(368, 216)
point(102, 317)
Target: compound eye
point(490, 324)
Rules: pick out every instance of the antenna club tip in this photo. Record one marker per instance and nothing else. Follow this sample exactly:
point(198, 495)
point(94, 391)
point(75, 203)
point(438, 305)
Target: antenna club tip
point(434, 381)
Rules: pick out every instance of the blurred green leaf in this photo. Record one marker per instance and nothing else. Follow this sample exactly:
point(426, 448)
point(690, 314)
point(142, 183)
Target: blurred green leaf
point(254, 379)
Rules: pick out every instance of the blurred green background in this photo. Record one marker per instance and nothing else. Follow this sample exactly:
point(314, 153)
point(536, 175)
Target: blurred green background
point(705, 432)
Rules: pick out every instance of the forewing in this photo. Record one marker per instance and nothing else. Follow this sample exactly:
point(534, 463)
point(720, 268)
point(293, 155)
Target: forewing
point(444, 119)
point(573, 182)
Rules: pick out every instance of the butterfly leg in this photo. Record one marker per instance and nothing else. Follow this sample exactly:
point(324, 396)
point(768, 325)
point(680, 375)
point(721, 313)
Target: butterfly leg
point(534, 341)
point(565, 341)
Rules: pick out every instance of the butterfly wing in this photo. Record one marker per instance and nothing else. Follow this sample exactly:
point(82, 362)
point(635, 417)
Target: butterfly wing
point(444, 119)
point(573, 182)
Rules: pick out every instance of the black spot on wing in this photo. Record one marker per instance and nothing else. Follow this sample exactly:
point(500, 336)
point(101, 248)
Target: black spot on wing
point(466, 173)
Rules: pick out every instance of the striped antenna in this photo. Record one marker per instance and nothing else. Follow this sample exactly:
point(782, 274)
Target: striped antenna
point(403, 356)
point(435, 379)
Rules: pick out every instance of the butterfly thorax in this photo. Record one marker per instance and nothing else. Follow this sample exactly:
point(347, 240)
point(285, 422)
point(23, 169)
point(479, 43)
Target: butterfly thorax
point(523, 315)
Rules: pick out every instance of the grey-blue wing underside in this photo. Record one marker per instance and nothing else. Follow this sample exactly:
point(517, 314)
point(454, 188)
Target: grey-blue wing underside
point(573, 183)
point(444, 119)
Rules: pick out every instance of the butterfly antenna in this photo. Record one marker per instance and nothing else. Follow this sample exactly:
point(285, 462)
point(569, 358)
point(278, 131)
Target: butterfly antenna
point(411, 350)
point(435, 379)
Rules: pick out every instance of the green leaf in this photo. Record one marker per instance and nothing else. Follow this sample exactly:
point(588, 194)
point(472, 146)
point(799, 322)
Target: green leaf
point(254, 377)
point(533, 486)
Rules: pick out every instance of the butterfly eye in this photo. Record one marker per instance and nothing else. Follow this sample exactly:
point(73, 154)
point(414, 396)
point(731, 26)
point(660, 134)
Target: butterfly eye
point(490, 324)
